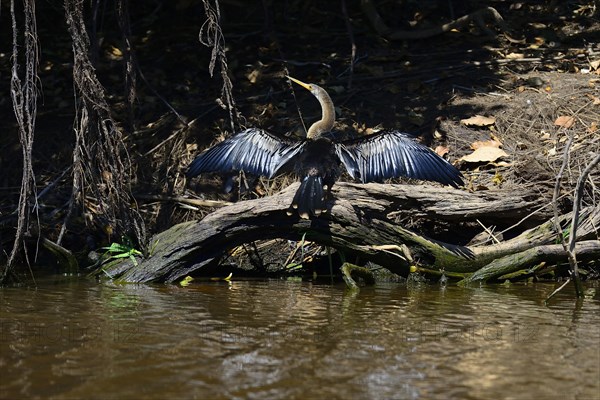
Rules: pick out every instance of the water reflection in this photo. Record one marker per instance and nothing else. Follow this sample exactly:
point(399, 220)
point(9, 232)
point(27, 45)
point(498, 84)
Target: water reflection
point(281, 339)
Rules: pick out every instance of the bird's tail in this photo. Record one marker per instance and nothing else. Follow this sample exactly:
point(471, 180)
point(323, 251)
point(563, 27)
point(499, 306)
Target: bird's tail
point(309, 199)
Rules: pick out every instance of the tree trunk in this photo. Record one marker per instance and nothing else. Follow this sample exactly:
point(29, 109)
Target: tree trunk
point(357, 223)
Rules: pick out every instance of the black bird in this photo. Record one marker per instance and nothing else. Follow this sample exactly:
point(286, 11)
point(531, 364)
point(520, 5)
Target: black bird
point(317, 159)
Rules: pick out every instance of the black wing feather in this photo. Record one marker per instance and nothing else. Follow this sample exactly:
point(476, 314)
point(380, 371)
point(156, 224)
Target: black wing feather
point(348, 159)
point(254, 151)
point(393, 154)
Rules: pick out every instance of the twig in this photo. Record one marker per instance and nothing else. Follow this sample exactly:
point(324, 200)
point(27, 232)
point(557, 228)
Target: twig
point(570, 248)
point(489, 232)
point(66, 259)
point(517, 60)
point(160, 97)
point(184, 200)
point(556, 193)
point(129, 58)
point(301, 63)
point(530, 215)
point(173, 135)
point(296, 102)
point(557, 290)
point(575, 224)
point(407, 75)
point(352, 42)
point(53, 183)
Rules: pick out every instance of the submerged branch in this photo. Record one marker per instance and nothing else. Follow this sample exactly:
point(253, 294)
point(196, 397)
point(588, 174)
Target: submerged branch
point(586, 250)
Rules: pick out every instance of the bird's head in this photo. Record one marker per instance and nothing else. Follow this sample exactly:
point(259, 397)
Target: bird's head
point(325, 124)
point(311, 87)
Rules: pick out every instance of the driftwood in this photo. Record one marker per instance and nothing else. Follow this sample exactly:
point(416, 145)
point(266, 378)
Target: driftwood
point(356, 224)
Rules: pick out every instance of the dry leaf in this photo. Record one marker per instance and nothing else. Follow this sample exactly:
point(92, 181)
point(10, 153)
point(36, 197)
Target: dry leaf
point(485, 154)
point(116, 52)
point(487, 143)
point(593, 128)
point(501, 164)
point(113, 53)
point(441, 151)
point(595, 100)
point(513, 56)
point(544, 135)
point(564, 121)
point(594, 65)
point(253, 76)
point(478, 120)
point(564, 138)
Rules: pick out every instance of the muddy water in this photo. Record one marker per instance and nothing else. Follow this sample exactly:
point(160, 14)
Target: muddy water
point(277, 339)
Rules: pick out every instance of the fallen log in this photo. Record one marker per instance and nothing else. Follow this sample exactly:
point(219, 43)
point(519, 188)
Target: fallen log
point(510, 263)
point(357, 223)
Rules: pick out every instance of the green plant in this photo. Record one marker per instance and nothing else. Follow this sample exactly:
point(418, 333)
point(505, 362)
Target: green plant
point(293, 266)
point(118, 250)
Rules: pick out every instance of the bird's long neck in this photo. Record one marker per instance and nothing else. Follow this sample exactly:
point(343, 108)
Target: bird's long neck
point(325, 124)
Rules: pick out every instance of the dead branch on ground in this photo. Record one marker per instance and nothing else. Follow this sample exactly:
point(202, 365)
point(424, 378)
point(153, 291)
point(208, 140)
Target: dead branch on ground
point(479, 17)
point(356, 224)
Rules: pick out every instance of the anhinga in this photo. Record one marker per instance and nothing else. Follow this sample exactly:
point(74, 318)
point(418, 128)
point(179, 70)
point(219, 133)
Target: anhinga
point(316, 159)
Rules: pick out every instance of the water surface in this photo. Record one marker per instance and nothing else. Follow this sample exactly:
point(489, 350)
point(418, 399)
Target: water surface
point(76, 339)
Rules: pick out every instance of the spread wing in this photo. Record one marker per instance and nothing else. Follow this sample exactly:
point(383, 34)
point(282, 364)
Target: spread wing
point(393, 154)
point(254, 151)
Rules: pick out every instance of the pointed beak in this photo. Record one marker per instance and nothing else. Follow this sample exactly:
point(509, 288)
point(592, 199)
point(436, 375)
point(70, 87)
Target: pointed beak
point(304, 85)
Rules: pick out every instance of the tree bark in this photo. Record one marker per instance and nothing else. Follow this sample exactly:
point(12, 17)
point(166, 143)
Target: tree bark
point(357, 223)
